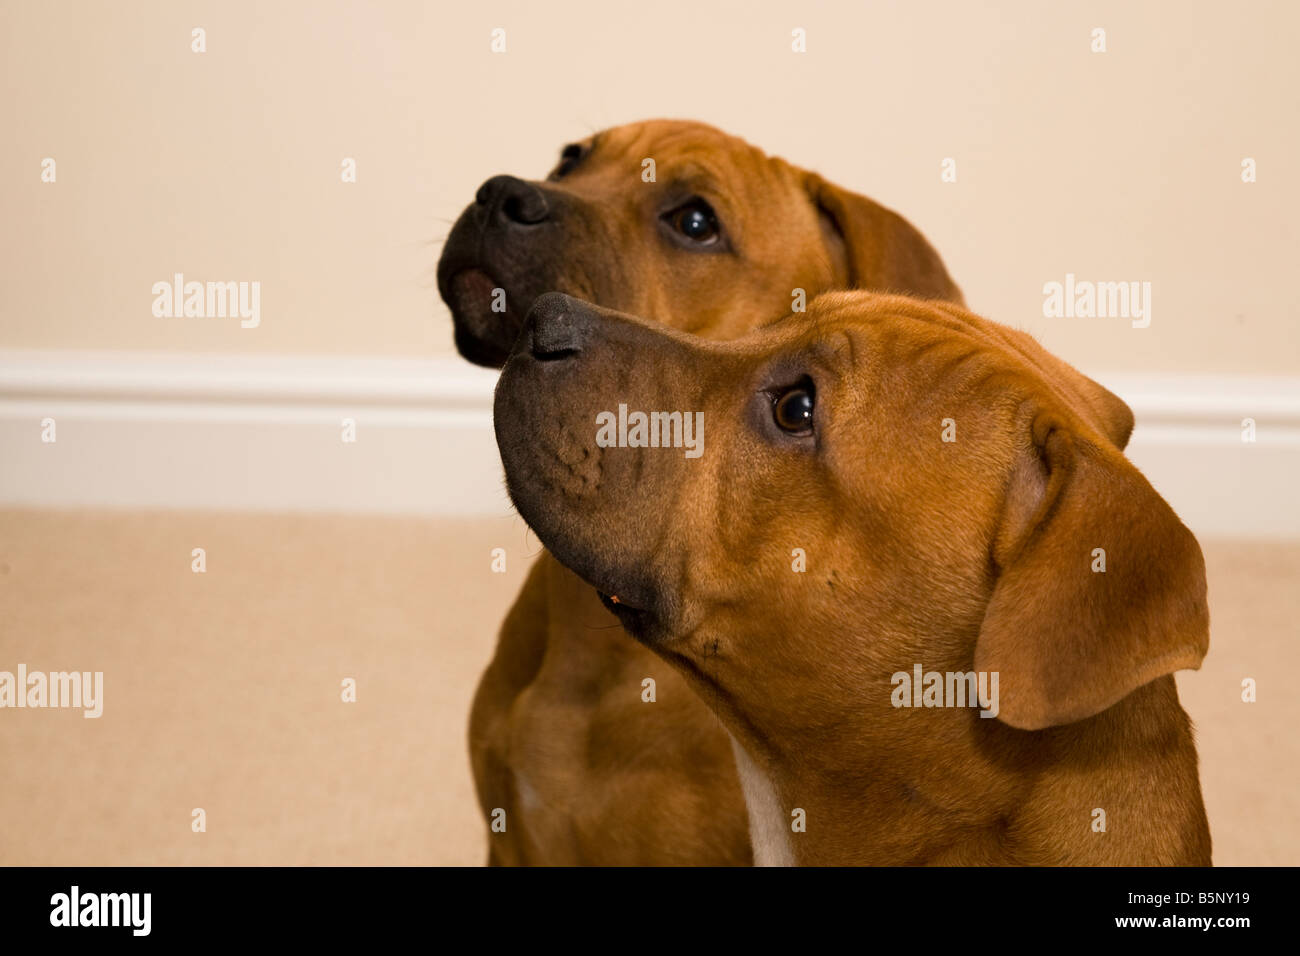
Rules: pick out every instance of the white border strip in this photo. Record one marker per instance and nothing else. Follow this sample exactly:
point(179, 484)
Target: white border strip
point(431, 383)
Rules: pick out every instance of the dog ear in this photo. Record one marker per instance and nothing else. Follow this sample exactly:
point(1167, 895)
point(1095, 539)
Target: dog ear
point(1101, 407)
point(1108, 412)
point(1101, 588)
point(875, 248)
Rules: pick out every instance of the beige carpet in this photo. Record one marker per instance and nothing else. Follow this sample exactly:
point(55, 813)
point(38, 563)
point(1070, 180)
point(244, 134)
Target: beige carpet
point(222, 689)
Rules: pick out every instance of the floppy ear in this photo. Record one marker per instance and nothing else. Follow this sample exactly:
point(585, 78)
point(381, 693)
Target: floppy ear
point(876, 248)
point(1067, 638)
point(1103, 409)
point(1108, 412)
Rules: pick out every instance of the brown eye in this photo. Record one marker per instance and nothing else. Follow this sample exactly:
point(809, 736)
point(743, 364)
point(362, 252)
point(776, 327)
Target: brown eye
point(793, 410)
point(696, 221)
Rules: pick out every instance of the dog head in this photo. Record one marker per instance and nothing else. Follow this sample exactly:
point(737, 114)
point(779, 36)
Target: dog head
point(827, 502)
point(677, 222)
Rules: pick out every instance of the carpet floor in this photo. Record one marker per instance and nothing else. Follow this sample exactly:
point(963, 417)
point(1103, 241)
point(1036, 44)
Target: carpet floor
point(223, 690)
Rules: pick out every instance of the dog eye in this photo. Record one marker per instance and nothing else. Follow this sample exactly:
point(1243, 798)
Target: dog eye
point(696, 221)
point(792, 410)
point(570, 156)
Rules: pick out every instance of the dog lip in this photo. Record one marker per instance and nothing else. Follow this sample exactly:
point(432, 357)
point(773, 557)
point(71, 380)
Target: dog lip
point(482, 336)
point(480, 351)
point(463, 280)
point(638, 622)
point(463, 250)
point(616, 603)
point(457, 274)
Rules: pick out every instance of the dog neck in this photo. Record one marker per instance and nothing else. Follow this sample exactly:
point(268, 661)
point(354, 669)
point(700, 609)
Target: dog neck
point(1120, 788)
point(768, 833)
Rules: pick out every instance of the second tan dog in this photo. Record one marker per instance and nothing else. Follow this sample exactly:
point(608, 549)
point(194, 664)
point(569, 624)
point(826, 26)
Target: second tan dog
point(567, 755)
point(911, 571)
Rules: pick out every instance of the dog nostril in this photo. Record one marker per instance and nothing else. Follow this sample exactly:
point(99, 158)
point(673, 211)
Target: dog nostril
point(551, 344)
point(511, 201)
point(557, 356)
point(554, 334)
point(526, 208)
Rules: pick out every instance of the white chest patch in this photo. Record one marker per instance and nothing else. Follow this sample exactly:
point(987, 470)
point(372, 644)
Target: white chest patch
point(769, 824)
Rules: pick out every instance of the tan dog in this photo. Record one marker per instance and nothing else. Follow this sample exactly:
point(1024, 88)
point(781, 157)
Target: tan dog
point(718, 242)
point(963, 509)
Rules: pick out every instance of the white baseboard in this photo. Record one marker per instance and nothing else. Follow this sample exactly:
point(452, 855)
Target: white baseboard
point(265, 434)
point(248, 433)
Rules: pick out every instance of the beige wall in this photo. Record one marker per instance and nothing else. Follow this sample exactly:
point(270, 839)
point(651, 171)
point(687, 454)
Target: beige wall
point(1116, 166)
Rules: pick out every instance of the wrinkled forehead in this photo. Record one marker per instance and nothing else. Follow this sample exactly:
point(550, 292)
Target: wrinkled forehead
point(863, 333)
point(686, 151)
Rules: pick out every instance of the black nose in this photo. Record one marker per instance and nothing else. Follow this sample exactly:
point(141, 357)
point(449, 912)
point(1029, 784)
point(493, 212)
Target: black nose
point(513, 201)
point(557, 327)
